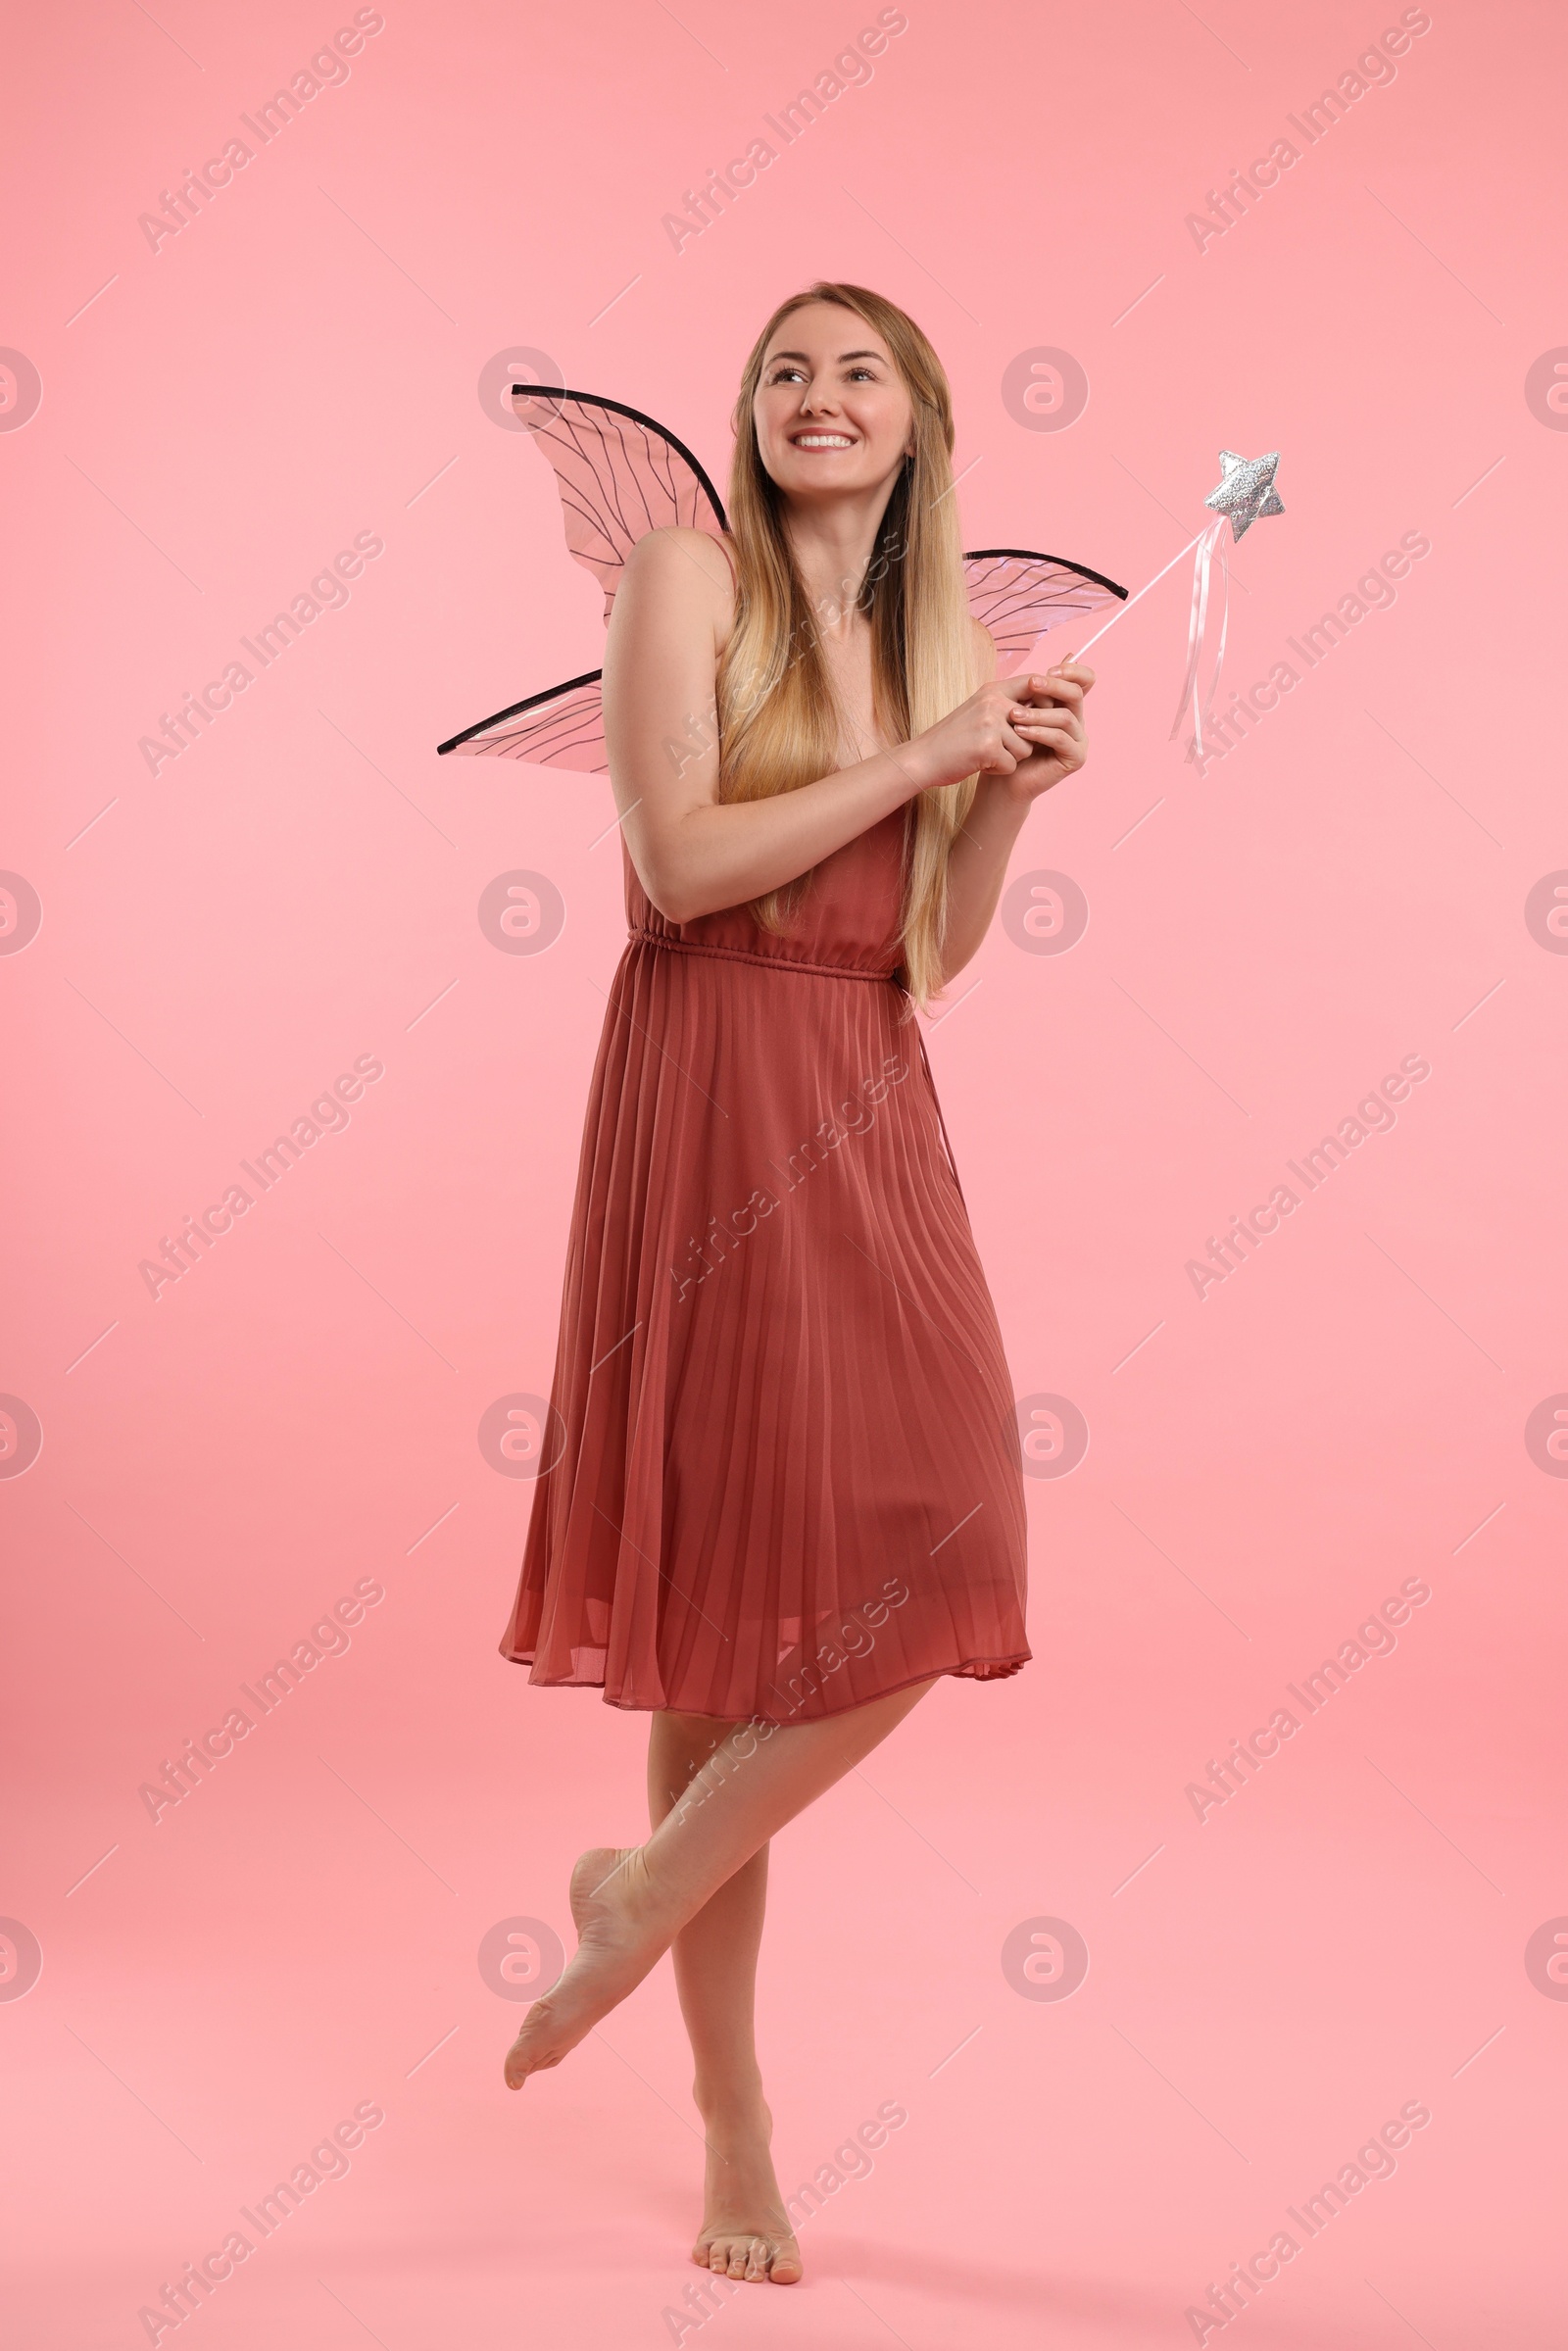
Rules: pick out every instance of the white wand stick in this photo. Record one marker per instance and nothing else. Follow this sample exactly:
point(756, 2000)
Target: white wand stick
point(1119, 614)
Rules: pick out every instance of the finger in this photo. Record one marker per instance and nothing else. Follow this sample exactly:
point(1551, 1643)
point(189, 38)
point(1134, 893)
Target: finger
point(1063, 695)
point(1051, 713)
point(1005, 755)
point(1079, 671)
point(1056, 690)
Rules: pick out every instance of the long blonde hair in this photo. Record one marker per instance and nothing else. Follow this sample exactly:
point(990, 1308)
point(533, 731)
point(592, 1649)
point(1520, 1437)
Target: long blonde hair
point(778, 718)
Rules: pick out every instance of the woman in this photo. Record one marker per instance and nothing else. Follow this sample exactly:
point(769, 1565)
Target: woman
point(788, 1497)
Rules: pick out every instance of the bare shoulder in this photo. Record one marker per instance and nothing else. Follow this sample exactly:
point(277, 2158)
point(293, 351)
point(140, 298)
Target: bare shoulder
point(681, 557)
point(686, 569)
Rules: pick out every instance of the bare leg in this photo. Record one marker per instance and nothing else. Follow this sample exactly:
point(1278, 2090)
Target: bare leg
point(746, 2230)
point(630, 1905)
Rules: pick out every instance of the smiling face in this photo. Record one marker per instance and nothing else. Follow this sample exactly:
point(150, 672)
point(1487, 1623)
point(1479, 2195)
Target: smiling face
point(832, 413)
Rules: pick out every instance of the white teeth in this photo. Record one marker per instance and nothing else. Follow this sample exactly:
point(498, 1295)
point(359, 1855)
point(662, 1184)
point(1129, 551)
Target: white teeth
point(821, 440)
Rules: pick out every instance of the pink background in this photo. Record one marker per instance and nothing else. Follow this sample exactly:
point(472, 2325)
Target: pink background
point(300, 1411)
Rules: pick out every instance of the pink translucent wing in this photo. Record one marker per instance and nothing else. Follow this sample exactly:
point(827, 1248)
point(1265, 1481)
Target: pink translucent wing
point(1018, 595)
point(562, 729)
point(619, 474)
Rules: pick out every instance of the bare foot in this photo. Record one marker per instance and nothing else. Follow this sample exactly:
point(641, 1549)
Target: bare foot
point(746, 2231)
point(617, 1944)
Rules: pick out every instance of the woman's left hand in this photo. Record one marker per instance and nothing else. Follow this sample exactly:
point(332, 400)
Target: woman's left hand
point(1052, 719)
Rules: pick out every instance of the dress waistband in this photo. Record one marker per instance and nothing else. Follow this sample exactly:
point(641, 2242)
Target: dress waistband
point(738, 954)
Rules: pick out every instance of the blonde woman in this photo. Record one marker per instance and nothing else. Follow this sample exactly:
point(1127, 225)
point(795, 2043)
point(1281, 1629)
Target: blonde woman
point(788, 1497)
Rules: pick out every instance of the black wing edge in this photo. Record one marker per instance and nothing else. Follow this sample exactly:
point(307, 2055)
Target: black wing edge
point(618, 408)
point(590, 677)
point(1032, 554)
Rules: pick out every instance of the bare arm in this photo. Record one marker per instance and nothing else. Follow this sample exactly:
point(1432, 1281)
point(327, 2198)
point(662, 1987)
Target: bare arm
point(978, 863)
point(694, 854)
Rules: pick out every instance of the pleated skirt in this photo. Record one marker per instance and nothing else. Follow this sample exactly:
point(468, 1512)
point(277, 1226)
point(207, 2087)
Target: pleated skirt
point(783, 1475)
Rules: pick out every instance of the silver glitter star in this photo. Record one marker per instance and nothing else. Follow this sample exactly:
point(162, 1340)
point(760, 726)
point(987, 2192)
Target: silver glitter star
point(1247, 491)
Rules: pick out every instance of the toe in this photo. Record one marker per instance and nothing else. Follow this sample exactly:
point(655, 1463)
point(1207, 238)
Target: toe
point(739, 2253)
point(522, 2056)
point(757, 2256)
point(785, 2268)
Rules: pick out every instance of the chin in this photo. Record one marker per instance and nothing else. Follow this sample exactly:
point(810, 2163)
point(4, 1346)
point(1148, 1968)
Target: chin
point(801, 481)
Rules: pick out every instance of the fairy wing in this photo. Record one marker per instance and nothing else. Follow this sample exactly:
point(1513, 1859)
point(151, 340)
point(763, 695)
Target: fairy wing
point(563, 727)
point(1019, 595)
point(620, 474)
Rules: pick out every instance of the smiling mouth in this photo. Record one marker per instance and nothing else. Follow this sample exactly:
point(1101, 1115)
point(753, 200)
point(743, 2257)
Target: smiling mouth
point(821, 440)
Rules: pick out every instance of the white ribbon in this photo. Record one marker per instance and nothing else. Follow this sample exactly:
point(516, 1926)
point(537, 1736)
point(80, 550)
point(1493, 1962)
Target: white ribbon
point(1202, 704)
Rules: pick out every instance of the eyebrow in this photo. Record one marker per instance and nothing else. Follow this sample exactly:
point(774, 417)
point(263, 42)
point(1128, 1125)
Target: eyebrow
point(843, 356)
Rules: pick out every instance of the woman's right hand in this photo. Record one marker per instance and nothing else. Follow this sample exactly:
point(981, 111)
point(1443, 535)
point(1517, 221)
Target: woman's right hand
point(978, 738)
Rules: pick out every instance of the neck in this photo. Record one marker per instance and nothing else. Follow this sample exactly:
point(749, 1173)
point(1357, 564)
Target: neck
point(832, 546)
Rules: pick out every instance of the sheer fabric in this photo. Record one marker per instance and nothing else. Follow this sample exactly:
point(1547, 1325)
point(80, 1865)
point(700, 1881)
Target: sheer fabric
point(790, 1477)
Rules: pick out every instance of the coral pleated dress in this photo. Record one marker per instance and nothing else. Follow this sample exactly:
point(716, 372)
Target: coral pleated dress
point(782, 1475)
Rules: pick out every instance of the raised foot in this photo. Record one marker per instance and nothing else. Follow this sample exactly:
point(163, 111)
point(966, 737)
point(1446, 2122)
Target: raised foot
point(616, 1946)
point(745, 2233)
